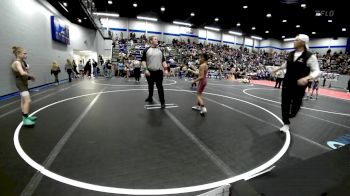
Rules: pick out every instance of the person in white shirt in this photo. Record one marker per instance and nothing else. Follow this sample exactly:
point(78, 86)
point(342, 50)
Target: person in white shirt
point(301, 67)
point(153, 62)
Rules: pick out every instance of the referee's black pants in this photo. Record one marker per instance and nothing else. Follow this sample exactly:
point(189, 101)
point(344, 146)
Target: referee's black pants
point(156, 77)
point(292, 98)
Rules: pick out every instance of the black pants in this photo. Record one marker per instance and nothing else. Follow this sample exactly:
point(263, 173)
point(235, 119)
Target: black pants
point(156, 77)
point(137, 73)
point(292, 98)
point(69, 71)
point(56, 78)
point(278, 82)
point(349, 85)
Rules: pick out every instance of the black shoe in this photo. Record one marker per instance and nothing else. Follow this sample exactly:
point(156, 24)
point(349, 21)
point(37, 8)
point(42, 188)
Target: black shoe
point(162, 106)
point(149, 100)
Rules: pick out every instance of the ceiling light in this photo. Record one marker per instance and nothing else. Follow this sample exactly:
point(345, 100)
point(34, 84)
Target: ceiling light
point(298, 26)
point(283, 36)
point(110, 2)
point(289, 39)
point(255, 37)
point(146, 18)
point(268, 15)
point(330, 20)
point(85, 18)
point(135, 4)
point(313, 33)
point(235, 33)
point(216, 19)
point(106, 14)
point(192, 14)
point(343, 29)
point(63, 7)
point(65, 4)
point(162, 9)
point(182, 23)
point(253, 28)
point(238, 24)
point(284, 20)
point(212, 28)
point(267, 31)
point(318, 14)
point(245, 7)
point(79, 20)
point(303, 5)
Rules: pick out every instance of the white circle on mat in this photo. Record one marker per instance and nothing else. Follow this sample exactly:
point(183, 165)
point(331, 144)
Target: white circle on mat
point(134, 85)
point(269, 100)
point(244, 176)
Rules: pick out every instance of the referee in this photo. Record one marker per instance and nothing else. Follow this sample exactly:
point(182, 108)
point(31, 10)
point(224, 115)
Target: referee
point(302, 67)
point(153, 62)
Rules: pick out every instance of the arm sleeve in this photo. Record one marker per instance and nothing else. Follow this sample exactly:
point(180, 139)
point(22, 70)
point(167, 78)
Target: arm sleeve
point(284, 65)
point(163, 57)
point(314, 67)
point(144, 54)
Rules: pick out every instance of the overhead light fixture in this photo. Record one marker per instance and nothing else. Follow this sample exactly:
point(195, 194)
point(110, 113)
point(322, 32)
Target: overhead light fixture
point(110, 2)
point(65, 4)
point(267, 31)
point(182, 23)
point(106, 14)
point(216, 19)
point(255, 37)
point(135, 4)
point(235, 33)
point(238, 24)
point(192, 14)
point(162, 9)
point(298, 26)
point(330, 20)
point(79, 20)
point(283, 36)
point(313, 33)
point(146, 18)
point(289, 39)
point(268, 15)
point(343, 29)
point(253, 28)
point(284, 20)
point(212, 28)
point(245, 7)
point(318, 14)
point(85, 18)
point(303, 5)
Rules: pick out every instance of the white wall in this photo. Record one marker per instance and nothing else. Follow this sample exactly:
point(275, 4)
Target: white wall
point(114, 23)
point(153, 26)
point(171, 29)
point(322, 45)
point(202, 33)
point(229, 39)
point(289, 46)
point(248, 42)
point(214, 35)
point(137, 24)
point(239, 40)
point(30, 28)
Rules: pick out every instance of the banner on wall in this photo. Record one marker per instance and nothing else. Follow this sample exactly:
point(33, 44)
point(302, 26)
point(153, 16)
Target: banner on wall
point(186, 30)
point(60, 31)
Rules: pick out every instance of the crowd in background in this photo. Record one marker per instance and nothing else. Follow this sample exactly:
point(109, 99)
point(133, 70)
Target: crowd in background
point(224, 61)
